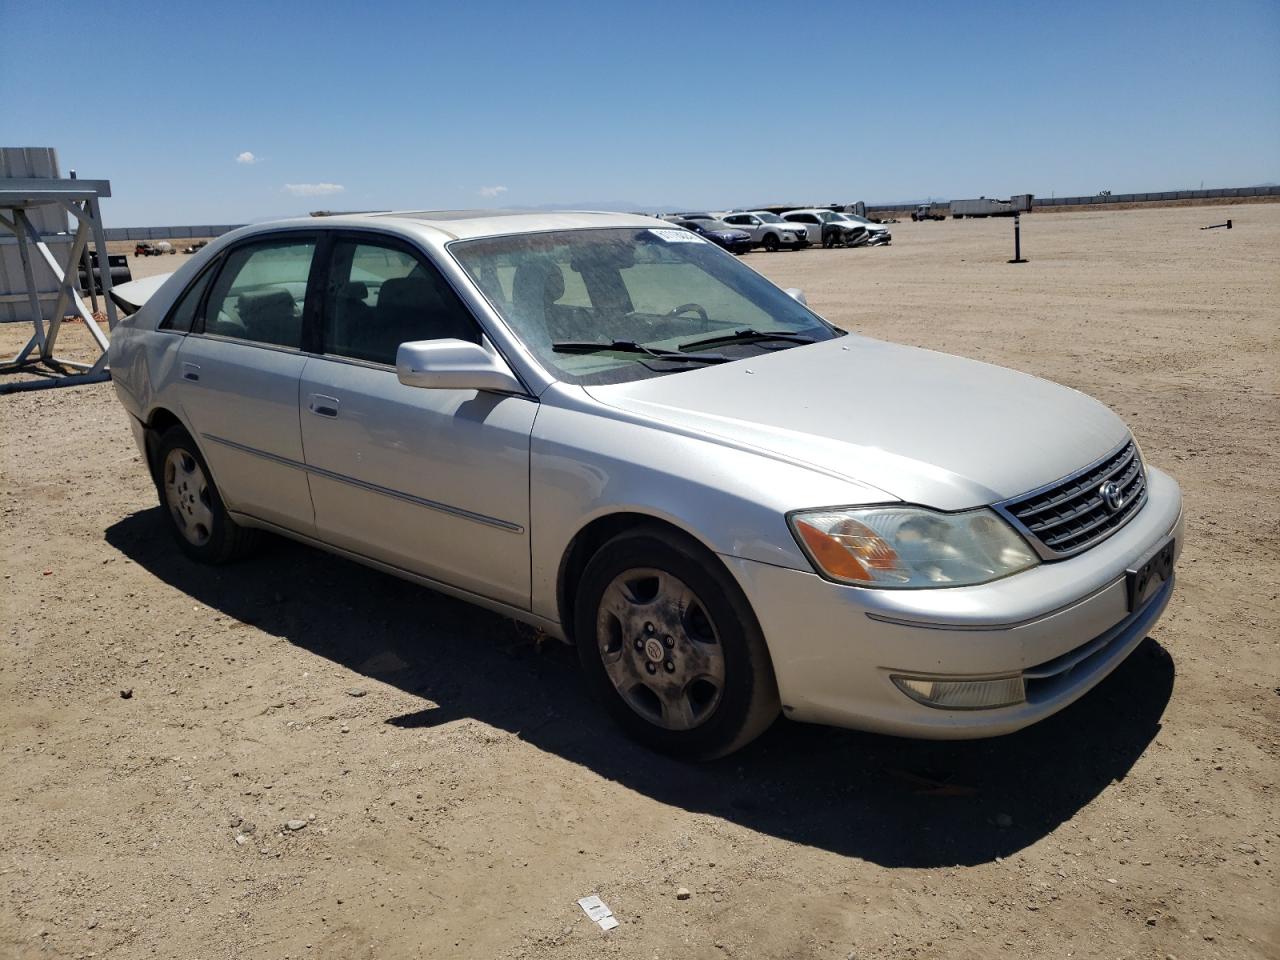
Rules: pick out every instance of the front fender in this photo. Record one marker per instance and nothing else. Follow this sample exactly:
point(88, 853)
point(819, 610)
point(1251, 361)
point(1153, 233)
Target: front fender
point(586, 464)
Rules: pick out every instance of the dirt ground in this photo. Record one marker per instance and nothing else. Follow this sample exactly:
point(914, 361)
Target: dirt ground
point(460, 792)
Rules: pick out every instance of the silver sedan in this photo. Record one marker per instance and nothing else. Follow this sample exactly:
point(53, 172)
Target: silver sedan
point(607, 427)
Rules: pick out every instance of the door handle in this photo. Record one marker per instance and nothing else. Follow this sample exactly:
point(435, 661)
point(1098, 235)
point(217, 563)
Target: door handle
point(190, 371)
point(323, 406)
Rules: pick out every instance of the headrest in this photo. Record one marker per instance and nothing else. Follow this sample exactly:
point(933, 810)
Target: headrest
point(540, 282)
point(275, 302)
point(411, 292)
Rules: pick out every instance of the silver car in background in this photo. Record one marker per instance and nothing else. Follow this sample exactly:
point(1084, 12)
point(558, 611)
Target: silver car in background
point(609, 428)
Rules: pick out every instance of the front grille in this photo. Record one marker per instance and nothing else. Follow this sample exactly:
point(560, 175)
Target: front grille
point(1071, 515)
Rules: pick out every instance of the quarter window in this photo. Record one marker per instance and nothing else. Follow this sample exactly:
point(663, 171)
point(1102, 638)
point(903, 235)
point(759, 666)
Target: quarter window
point(183, 313)
point(259, 293)
point(380, 296)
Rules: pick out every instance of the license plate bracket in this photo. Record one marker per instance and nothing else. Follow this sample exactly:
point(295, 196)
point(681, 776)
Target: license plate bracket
point(1145, 580)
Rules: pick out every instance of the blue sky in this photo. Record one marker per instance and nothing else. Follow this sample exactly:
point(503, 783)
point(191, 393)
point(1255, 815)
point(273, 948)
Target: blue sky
point(228, 111)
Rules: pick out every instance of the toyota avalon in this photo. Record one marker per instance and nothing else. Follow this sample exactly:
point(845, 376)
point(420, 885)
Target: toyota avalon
point(607, 427)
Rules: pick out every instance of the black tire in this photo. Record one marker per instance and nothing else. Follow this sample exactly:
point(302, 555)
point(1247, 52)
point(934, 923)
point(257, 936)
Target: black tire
point(771, 242)
point(192, 506)
point(746, 703)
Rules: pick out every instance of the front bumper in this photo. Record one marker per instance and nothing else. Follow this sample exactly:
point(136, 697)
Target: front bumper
point(1063, 626)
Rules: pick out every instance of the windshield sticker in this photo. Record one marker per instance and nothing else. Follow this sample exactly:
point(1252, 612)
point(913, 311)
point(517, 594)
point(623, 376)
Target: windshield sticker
point(677, 236)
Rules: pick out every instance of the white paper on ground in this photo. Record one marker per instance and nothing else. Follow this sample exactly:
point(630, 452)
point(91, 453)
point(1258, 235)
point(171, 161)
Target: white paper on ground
point(596, 909)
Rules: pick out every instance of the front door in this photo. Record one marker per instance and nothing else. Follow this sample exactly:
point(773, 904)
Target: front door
point(431, 481)
point(238, 377)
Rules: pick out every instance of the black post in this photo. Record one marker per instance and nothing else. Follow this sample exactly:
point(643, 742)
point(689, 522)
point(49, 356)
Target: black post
point(1017, 239)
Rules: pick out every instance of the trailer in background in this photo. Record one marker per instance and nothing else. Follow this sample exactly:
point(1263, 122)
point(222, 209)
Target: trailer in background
point(987, 207)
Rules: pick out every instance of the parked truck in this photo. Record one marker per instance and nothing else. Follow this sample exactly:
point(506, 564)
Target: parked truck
point(929, 211)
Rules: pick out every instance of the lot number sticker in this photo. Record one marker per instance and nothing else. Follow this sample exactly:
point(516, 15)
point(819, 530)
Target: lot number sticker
point(677, 236)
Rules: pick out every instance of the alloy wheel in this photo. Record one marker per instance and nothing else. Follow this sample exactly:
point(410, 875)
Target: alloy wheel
point(660, 648)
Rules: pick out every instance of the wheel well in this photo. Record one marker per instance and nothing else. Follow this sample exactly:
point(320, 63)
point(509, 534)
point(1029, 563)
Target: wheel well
point(584, 546)
point(160, 421)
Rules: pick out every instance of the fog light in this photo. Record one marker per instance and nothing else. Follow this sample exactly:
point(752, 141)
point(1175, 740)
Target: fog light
point(963, 694)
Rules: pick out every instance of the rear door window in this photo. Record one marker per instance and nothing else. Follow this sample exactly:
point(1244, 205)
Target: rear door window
point(260, 291)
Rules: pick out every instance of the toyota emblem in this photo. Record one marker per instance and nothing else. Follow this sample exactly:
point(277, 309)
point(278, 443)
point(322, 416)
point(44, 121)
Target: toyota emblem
point(1112, 495)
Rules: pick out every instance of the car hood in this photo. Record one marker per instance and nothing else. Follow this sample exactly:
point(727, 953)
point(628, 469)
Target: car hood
point(924, 427)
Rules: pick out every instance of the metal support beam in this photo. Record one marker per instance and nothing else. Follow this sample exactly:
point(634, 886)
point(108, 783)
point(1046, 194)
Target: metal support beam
point(80, 199)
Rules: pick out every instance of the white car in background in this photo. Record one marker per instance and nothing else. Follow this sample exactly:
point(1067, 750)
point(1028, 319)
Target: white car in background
point(826, 227)
point(878, 234)
point(769, 230)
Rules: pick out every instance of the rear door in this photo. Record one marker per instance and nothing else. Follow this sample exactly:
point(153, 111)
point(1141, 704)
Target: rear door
point(811, 224)
point(238, 377)
point(431, 481)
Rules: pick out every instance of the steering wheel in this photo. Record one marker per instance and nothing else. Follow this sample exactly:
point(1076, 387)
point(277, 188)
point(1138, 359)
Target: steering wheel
point(697, 308)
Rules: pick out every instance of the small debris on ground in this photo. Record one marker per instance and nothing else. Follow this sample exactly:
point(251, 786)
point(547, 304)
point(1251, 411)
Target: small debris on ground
point(598, 912)
point(296, 824)
point(126, 693)
point(683, 893)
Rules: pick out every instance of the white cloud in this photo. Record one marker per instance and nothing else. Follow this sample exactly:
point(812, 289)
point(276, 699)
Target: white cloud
point(492, 191)
point(247, 157)
point(313, 189)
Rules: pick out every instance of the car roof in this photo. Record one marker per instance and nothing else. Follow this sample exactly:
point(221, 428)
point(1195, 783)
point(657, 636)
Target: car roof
point(468, 224)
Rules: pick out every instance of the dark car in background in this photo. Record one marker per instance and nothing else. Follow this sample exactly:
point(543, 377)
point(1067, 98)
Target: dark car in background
point(731, 238)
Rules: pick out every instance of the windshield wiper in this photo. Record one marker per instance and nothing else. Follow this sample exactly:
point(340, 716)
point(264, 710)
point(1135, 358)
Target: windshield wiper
point(748, 335)
point(630, 346)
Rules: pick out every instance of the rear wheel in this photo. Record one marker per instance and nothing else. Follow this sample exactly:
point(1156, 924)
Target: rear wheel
point(670, 645)
point(197, 517)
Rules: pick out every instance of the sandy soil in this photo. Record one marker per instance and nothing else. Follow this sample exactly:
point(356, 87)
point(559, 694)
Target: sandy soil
point(459, 791)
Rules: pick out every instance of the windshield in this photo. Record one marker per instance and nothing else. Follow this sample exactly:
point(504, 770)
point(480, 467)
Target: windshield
point(661, 288)
point(857, 219)
point(770, 218)
point(716, 225)
point(827, 216)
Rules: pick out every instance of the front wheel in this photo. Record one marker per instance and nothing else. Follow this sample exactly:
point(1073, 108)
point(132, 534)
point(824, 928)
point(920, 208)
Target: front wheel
point(197, 517)
point(670, 645)
point(771, 242)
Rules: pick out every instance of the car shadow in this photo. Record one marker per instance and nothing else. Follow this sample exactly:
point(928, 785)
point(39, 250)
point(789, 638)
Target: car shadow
point(891, 801)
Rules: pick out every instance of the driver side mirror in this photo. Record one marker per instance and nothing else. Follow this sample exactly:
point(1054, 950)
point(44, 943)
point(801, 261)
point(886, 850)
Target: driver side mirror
point(795, 293)
point(453, 365)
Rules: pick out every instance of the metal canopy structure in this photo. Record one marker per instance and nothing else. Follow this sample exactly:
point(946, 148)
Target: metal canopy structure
point(19, 196)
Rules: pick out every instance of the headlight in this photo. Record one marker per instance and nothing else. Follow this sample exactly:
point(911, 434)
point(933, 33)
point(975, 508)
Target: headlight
point(910, 547)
